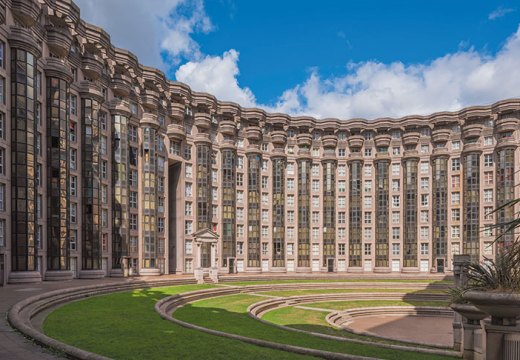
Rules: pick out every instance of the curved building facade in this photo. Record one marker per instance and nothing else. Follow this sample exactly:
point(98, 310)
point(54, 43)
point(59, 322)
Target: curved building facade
point(109, 169)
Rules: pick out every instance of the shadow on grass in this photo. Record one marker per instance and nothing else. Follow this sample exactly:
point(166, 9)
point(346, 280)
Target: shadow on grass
point(236, 321)
point(124, 325)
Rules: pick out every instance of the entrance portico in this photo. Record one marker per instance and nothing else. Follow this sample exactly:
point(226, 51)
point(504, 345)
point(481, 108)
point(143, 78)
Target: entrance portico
point(205, 254)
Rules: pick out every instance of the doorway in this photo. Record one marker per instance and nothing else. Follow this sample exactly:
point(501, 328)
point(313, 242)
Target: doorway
point(440, 265)
point(205, 255)
point(330, 265)
point(231, 264)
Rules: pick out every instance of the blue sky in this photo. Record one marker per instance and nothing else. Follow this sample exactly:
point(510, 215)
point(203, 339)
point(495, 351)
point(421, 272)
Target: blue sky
point(328, 58)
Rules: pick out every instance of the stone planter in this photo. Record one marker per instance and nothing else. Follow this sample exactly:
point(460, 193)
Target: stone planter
point(504, 308)
point(468, 311)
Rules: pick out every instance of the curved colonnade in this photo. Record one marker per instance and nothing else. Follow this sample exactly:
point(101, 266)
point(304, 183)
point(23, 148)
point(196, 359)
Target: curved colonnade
point(23, 314)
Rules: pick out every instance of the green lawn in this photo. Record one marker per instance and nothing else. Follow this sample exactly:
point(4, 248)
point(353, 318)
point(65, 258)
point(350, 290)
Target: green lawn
point(229, 314)
point(346, 304)
point(284, 293)
point(303, 281)
point(124, 325)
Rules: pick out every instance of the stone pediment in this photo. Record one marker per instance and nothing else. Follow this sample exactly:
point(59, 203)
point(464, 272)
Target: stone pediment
point(205, 235)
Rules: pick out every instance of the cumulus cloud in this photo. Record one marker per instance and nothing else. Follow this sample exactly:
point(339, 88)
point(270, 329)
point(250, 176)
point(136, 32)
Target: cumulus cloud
point(157, 31)
point(217, 75)
point(499, 12)
point(374, 89)
point(160, 33)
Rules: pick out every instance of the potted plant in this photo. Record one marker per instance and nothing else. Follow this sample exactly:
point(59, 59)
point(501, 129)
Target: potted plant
point(494, 286)
point(463, 307)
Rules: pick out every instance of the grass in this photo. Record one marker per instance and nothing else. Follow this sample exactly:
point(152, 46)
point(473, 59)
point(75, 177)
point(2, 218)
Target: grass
point(303, 281)
point(229, 314)
point(349, 304)
point(124, 325)
point(284, 293)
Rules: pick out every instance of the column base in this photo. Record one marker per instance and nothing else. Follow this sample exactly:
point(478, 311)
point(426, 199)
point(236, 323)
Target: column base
point(58, 275)
point(150, 272)
point(199, 275)
point(117, 273)
point(24, 277)
point(91, 274)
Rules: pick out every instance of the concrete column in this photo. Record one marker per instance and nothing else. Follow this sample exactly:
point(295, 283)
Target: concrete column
point(473, 341)
point(459, 262)
point(502, 342)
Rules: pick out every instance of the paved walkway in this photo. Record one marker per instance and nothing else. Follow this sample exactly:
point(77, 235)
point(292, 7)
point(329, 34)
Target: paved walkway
point(409, 328)
point(13, 346)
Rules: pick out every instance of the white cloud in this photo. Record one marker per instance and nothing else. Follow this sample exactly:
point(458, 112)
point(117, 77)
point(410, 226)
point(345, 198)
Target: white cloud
point(499, 12)
point(374, 89)
point(366, 89)
point(217, 75)
point(151, 28)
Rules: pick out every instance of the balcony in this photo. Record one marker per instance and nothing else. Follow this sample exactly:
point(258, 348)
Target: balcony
point(150, 99)
point(176, 132)
point(382, 155)
point(506, 122)
point(121, 85)
point(91, 90)
point(23, 38)
point(176, 111)
point(278, 137)
point(149, 120)
point(26, 11)
point(410, 154)
point(440, 135)
point(411, 138)
point(470, 131)
point(441, 151)
point(227, 127)
point(202, 120)
point(118, 106)
point(92, 66)
point(329, 141)
point(57, 68)
point(506, 142)
point(356, 141)
point(383, 140)
point(358, 155)
point(304, 139)
point(254, 133)
point(59, 40)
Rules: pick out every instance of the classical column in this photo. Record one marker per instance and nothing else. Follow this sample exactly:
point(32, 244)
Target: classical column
point(24, 251)
point(229, 163)
point(120, 194)
point(471, 205)
point(329, 163)
point(58, 77)
point(91, 98)
point(203, 178)
point(505, 192)
point(355, 210)
point(410, 194)
point(382, 218)
point(304, 200)
point(149, 126)
point(439, 210)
